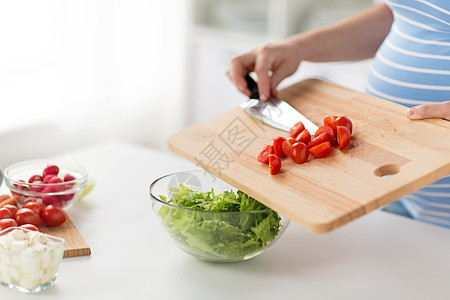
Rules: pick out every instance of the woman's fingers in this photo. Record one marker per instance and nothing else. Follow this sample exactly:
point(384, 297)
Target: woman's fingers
point(432, 110)
point(263, 67)
point(272, 63)
point(240, 66)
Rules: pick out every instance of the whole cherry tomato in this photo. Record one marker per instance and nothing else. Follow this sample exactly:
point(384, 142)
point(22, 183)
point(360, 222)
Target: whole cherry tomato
point(30, 199)
point(343, 136)
point(296, 129)
point(304, 137)
point(34, 206)
point(299, 153)
point(11, 208)
point(55, 216)
point(274, 164)
point(263, 156)
point(29, 227)
point(6, 223)
point(319, 139)
point(5, 213)
point(278, 146)
point(321, 150)
point(27, 216)
point(328, 130)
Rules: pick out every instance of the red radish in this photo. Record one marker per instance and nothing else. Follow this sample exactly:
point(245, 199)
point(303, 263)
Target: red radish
point(50, 170)
point(47, 178)
point(37, 186)
point(68, 177)
point(35, 178)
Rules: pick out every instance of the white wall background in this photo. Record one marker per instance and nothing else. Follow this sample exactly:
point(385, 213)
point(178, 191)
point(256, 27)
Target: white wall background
point(77, 71)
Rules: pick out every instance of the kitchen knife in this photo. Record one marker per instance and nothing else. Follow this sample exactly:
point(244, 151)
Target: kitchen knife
point(274, 112)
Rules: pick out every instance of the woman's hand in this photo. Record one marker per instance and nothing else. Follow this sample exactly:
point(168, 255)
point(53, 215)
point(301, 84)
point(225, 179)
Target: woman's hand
point(432, 110)
point(272, 63)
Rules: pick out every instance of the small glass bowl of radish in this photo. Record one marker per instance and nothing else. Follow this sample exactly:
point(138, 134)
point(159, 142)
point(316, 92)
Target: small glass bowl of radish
point(58, 183)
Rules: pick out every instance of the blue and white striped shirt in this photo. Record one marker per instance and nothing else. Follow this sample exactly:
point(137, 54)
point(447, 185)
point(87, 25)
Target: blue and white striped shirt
point(412, 67)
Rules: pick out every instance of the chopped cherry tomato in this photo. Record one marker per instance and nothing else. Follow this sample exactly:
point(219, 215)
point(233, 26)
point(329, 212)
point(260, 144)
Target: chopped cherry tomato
point(334, 121)
point(328, 120)
point(328, 130)
point(343, 121)
point(299, 153)
point(319, 139)
point(6, 223)
point(274, 164)
point(343, 136)
point(263, 156)
point(286, 148)
point(34, 206)
point(304, 137)
point(296, 129)
point(321, 150)
point(54, 215)
point(5, 213)
point(29, 227)
point(27, 216)
point(278, 146)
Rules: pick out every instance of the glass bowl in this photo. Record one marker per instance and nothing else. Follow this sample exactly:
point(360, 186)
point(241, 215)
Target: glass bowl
point(63, 194)
point(29, 260)
point(219, 236)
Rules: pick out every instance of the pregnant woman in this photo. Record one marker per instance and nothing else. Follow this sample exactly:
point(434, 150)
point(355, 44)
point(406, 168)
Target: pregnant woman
point(410, 43)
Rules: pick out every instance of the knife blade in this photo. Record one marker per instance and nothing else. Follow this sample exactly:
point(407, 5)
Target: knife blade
point(274, 112)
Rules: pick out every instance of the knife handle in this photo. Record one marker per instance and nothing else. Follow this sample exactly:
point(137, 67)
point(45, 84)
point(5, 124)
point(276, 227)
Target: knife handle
point(252, 86)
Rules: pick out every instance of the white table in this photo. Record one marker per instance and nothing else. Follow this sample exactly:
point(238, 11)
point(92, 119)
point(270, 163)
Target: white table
point(379, 256)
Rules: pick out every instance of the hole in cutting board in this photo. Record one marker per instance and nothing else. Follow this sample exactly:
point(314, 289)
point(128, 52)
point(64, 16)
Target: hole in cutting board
point(387, 170)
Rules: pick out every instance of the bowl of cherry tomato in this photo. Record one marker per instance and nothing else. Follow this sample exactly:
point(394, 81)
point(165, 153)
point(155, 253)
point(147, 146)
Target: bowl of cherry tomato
point(48, 182)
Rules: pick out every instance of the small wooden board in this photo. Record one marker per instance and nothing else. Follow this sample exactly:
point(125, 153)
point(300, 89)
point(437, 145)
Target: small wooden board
point(75, 243)
point(325, 193)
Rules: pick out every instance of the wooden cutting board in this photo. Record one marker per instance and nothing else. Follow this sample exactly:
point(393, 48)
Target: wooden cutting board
point(325, 193)
point(75, 244)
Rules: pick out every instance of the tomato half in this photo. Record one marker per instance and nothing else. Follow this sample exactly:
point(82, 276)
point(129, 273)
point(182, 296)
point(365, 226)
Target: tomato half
point(299, 153)
point(319, 139)
point(54, 215)
point(328, 120)
point(286, 147)
point(328, 130)
point(344, 121)
point(343, 136)
point(27, 216)
point(263, 156)
point(274, 164)
point(321, 150)
point(296, 129)
point(278, 146)
point(304, 137)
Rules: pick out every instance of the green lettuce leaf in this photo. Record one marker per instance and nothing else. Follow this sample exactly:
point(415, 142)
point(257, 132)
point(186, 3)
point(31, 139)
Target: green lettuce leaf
point(215, 234)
